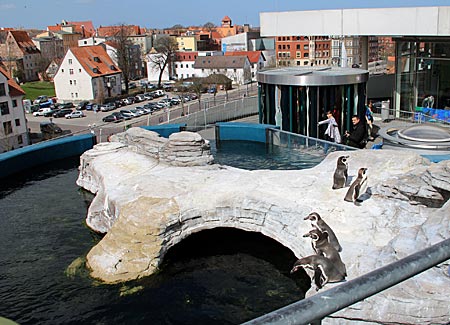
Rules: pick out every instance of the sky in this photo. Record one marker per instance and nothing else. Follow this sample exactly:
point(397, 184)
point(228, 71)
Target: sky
point(162, 14)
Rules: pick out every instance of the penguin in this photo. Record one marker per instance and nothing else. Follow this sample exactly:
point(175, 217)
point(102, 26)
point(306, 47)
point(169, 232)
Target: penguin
point(322, 246)
point(358, 187)
point(340, 174)
point(318, 223)
point(328, 272)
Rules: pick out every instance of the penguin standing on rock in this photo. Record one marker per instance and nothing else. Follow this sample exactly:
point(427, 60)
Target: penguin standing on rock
point(324, 270)
point(358, 187)
point(318, 223)
point(322, 246)
point(340, 174)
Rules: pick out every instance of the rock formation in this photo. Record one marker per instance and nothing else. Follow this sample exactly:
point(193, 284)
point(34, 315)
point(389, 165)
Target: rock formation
point(149, 197)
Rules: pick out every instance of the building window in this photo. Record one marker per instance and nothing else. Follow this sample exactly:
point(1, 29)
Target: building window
point(4, 108)
point(70, 82)
point(79, 70)
point(305, 63)
point(70, 61)
point(279, 46)
point(76, 95)
point(19, 139)
point(70, 71)
point(17, 122)
point(7, 127)
point(298, 62)
point(71, 94)
point(62, 70)
point(298, 54)
point(74, 82)
point(298, 46)
point(306, 47)
point(14, 102)
point(306, 55)
point(2, 89)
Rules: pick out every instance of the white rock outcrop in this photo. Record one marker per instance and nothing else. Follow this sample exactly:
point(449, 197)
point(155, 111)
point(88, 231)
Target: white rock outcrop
point(146, 202)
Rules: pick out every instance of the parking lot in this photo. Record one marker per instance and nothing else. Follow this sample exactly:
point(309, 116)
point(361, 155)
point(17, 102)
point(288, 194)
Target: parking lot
point(93, 119)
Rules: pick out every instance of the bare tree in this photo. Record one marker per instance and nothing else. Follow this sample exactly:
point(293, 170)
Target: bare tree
point(197, 87)
point(165, 47)
point(123, 44)
point(209, 26)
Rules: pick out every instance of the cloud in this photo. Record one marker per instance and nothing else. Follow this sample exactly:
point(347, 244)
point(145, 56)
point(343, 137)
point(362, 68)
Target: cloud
point(7, 6)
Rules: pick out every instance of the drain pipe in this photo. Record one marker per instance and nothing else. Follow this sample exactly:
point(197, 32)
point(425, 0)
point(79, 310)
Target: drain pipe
point(313, 309)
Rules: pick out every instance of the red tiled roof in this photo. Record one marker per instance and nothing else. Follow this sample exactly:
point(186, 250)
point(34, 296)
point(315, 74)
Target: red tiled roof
point(253, 56)
point(88, 27)
point(87, 55)
point(14, 89)
point(130, 30)
point(24, 41)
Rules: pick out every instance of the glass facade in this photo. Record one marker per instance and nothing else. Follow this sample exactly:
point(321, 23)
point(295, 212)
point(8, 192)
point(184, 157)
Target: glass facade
point(422, 74)
point(297, 108)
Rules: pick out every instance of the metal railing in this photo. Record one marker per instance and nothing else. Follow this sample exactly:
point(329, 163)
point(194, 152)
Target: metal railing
point(313, 309)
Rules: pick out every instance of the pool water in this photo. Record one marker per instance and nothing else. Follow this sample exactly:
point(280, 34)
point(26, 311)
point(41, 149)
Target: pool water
point(220, 276)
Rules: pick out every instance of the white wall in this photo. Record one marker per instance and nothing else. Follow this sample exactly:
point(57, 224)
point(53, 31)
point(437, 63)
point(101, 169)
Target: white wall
point(408, 21)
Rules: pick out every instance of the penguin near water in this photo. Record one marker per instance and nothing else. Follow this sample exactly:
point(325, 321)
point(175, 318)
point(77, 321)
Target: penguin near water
point(318, 223)
point(324, 270)
point(340, 174)
point(358, 187)
point(322, 246)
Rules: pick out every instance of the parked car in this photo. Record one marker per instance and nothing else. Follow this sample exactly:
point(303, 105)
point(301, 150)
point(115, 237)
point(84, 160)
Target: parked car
point(66, 105)
point(62, 112)
point(148, 96)
point(129, 100)
point(107, 107)
point(128, 113)
point(42, 111)
point(82, 105)
point(114, 117)
point(40, 99)
point(139, 98)
point(75, 114)
point(50, 112)
point(48, 129)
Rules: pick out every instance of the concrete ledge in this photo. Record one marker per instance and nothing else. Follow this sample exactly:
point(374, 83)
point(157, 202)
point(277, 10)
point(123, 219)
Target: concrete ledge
point(242, 131)
point(41, 153)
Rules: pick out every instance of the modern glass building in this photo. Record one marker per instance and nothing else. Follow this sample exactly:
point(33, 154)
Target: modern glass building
point(422, 73)
point(297, 98)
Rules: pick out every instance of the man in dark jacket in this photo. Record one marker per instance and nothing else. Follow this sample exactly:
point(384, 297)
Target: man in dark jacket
point(357, 137)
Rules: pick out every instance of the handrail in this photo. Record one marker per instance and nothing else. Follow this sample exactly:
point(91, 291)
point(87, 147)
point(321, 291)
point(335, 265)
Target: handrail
point(323, 304)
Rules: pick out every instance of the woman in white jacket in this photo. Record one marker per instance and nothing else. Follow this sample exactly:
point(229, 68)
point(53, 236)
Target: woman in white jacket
point(332, 132)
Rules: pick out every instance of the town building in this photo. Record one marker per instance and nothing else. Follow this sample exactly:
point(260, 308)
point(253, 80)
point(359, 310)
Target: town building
point(20, 56)
point(13, 125)
point(237, 68)
point(87, 73)
point(184, 64)
point(256, 58)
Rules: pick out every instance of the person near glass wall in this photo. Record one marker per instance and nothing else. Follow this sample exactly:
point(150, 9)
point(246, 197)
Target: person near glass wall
point(332, 132)
point(357, 136)
point(369, 120)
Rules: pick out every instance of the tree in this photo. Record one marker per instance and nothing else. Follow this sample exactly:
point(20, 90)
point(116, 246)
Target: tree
point(123, 44)
point(197, 88)
point(165, 47)
point(209, 26)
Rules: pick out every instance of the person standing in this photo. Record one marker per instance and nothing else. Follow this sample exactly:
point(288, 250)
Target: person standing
point(332, 131)
point(369, 120)
point(356, 138)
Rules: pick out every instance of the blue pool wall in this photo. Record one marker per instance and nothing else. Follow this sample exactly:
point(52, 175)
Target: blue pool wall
point(166, 130)
point(42, 153)
point(242, 131)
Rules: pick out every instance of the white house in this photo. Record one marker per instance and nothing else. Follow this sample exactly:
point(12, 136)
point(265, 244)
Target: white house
point(90, 41)
point(237, 68)
point(13, 126)
point(87, 73)
point(184, 64)
point(256, 58)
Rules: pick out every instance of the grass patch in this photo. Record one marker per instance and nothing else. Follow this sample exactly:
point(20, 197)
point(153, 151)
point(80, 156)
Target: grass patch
point(38, 88)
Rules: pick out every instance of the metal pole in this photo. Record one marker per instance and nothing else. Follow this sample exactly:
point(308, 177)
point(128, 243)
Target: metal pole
point(346, 294)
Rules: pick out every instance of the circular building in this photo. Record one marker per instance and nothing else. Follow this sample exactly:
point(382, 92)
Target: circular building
point(297, 98)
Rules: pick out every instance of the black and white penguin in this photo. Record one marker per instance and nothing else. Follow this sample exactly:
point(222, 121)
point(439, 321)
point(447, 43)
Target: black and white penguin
point(322, 246)
point(328, 272)
point(358, 187)
point(340, 174)
point(318, 223)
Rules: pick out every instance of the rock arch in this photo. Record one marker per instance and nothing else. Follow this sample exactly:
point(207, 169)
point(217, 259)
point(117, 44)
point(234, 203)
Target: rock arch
point(147, 227)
